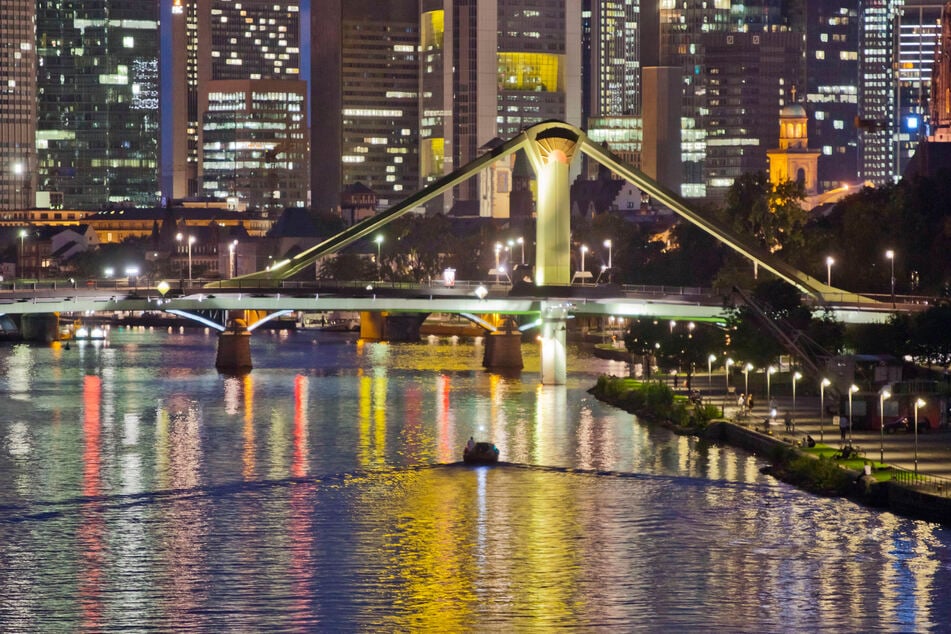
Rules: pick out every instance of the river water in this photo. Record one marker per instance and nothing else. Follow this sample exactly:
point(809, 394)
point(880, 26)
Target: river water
point(141, 490)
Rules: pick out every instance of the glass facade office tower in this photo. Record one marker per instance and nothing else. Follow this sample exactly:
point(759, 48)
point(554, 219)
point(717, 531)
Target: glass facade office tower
point(919, 36)
point(97, 100)
point(750, 76)
point(18, 105)
point(877, 97)
point(490, 68)
point(254, 150)
point(832, 31)
point(204, 41)
point(365, 96)
point(611, 58)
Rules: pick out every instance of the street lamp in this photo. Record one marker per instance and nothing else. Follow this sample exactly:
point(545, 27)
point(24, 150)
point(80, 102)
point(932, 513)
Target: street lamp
point(829, 262)
point(795, 377)
point(918, 405)
point(584, 249)
point(610, 246)
point(22, 238)
point(891, 258)
point(521, 242)
point(498, 250)
point(770, 371)
point(883, 395)
point(232, 269)
point(822, 405)
point(852, 390)
point(379, 265)
point(746, 377)
point(710, 361)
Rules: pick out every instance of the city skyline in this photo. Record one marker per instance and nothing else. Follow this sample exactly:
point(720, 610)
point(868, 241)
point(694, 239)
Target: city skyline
point(397, 99)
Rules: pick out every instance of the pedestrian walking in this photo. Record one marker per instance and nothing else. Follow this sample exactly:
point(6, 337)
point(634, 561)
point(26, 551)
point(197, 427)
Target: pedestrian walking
point(843, 426)
point(749, 401)
point(789, 422)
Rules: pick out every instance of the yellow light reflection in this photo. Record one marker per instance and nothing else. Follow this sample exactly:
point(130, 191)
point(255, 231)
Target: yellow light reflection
point(248, 463)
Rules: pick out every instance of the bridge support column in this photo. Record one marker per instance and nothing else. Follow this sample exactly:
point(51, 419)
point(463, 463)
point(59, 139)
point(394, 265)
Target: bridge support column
point(503, 348)
point(39, 327)
point(234, 348)
point(554, 349)
point(382, 326)
point(371, 325)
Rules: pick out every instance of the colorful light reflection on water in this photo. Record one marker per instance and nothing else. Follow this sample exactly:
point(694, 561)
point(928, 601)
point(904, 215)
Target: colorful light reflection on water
point(138, 488)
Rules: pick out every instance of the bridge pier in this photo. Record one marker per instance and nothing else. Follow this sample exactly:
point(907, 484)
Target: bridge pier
point(554, 348)
point(42, 327)
point(382, 326)
point(234, 348)
point(503, 348)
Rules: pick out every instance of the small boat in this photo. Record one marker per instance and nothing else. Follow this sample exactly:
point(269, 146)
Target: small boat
point(481, 453)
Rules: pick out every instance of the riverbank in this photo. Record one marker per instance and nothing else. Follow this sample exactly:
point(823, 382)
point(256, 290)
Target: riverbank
point(819, 469)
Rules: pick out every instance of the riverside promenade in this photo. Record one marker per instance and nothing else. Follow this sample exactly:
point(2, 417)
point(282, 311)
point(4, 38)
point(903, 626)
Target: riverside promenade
point(897, 449)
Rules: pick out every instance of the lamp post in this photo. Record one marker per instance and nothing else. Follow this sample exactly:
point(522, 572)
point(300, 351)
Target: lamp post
point(379, 265)
point(710, 361)
point(883, 395)
point(918, 405)
point(746, 377)
point(852, 390)
point(22, 267)
point(770, 371)
point(795, 377)
point(498, 250)
point(584, 249)
point(232, 259)
point(521, 242)
point(891, 258)
point(610, 245)
point(823, 384)
point(191, 241)
point(829, 262)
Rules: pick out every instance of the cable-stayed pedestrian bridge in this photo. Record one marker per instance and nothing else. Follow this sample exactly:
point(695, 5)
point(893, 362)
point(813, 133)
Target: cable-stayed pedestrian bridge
point(551, 148)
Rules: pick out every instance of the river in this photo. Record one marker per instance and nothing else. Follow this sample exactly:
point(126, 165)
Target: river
point(141, 490)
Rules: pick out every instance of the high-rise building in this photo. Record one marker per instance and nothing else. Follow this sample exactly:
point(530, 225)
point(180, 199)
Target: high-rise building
point(365, 96)
point(204, 41)
point(254, 143)
point(832, 28)
point(877, 94)
point(18, 104)
point(681, 27)
point(748, 76)
point(611, 58)
point(919, 35)
point(491, 68)
point(97, 101)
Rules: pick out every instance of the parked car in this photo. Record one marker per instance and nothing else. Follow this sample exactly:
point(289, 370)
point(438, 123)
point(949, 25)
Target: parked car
point(904, 423)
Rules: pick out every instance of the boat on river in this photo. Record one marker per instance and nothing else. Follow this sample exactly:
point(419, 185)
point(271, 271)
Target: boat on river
point(480, 453)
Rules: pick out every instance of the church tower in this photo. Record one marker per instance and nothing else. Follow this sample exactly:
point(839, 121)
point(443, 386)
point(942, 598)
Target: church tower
point(793, 160)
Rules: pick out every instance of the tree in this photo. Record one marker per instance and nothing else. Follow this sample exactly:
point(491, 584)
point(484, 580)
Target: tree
point(772, 216)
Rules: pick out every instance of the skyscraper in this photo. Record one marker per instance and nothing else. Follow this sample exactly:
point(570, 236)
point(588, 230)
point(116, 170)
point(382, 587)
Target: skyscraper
point(919, 35)
point(749, 76)
point(97, 89)
point(365, 95)
point(204, 41)
point(877, 94)
point(832, 28)
point(18, 104)
point(490, 68)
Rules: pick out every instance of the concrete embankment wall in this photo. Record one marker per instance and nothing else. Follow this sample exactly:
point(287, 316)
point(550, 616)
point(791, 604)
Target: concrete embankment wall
point(891, 495)
point(724, 431)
